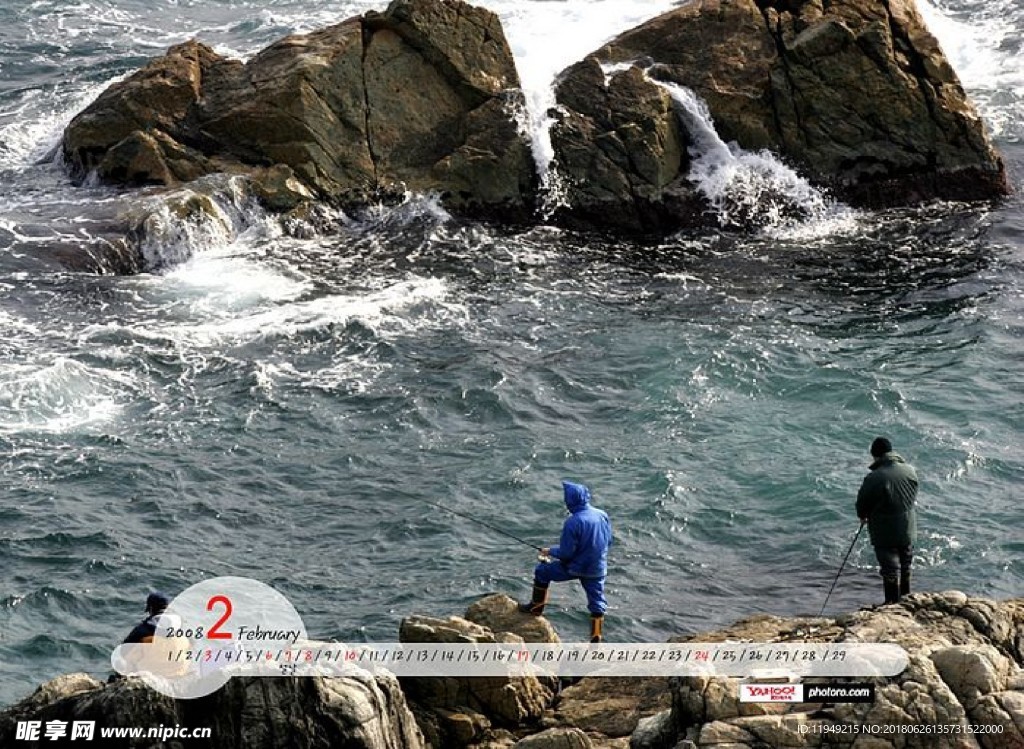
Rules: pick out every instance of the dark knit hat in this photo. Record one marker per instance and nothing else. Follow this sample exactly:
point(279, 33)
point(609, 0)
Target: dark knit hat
point(880, 447)
point(157, 602)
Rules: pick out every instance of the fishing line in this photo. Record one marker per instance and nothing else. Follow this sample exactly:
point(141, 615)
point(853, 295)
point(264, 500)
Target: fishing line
point(484, 523)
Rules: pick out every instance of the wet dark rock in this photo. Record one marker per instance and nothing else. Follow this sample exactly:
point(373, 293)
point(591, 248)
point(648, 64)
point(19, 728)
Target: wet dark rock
point(419, 98)
point(620, 145)
point(424, 98)
point(856, 94)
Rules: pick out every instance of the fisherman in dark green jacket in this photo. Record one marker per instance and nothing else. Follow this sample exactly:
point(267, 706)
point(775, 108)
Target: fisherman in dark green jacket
point(886, 503)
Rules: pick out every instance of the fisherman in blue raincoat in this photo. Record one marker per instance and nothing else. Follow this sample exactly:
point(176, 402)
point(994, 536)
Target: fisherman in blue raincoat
point(581, 554)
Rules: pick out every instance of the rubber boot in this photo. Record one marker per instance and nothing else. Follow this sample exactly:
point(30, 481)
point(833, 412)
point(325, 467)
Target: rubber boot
point(904, 583)
point(891, 585)
point(537, 602)
point(596, 627)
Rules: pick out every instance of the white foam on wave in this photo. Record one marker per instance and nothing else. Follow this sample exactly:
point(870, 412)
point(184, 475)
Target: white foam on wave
point(972, 48)
point(414, 207)
point(985, 51)
point(230, 279)
point(222, 282)
point(746, 187)
point(380, 310)
point(36, 124)
point(196, 312)
point(60, 396)
point(546, 38)
point(205, 333)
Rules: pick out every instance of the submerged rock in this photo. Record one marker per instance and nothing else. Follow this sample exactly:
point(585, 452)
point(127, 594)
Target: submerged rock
point(856, 94)
point(420, 98)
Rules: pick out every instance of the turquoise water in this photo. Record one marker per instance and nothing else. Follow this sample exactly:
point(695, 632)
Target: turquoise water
point(285, 409)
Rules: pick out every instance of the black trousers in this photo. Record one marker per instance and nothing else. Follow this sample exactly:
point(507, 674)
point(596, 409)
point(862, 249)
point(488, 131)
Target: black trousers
point(892, 560)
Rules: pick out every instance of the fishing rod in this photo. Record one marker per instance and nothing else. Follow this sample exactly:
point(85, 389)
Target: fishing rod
point(486, 525)
point(848, 551)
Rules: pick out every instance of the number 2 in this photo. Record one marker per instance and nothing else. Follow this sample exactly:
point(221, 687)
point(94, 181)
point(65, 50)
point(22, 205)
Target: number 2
point(215, 633)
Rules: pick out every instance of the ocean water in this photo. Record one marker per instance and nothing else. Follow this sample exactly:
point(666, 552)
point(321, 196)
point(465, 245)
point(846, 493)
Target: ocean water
point(285, 409)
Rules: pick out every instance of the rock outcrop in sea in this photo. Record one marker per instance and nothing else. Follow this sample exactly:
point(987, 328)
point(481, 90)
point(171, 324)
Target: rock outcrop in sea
point(855, 94)
point(424, 98)
point(965, 669)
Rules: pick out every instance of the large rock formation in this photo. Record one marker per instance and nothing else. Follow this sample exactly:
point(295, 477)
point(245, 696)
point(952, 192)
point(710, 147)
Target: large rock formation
point(248, 713)
point(965, 658)
point(461, 711)
point(421, 97)
point(621, 152)
point(965, 669)
point(854, 93)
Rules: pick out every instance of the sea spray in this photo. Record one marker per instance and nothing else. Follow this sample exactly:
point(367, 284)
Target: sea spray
point(546, 38)
point(30, 133)
point(534, 125)
point(985, 51)
point(209, 213)
point(743, 187)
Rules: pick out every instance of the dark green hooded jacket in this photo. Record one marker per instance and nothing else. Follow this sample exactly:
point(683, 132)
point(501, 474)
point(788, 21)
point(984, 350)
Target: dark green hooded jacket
point(886, 499)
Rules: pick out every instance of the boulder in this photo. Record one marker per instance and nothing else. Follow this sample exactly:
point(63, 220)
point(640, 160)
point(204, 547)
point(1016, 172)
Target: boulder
point(964, 669)
point(419, 98)
point(456, 711)
point(654, 732)
point(612, 706)
point(621, 151)
point(556, 738)
point(856, 94)
point(499, 613)
point(249, 712)
point(152, 109)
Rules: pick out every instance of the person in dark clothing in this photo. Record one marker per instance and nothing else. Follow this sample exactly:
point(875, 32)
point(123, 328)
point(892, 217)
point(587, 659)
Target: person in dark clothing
point(886, 503)
point(581, 554)
point(156, 603)
point(160, 633)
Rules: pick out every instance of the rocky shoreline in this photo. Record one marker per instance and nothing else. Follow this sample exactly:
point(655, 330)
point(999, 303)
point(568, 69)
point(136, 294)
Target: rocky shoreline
point(965, 669)
point(425, 98)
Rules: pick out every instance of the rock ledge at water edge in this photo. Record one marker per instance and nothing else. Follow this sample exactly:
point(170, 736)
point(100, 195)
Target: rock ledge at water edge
point(965, 658)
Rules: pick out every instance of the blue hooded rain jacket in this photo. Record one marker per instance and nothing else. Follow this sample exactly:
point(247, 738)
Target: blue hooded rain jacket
point(586, 535)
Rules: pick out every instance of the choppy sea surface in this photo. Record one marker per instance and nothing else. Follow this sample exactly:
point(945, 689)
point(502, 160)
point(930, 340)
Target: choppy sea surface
point(285, 409)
